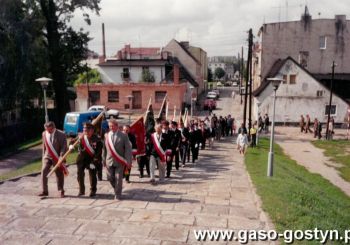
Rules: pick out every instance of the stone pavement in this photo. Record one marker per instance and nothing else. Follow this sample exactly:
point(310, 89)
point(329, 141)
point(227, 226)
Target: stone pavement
point(214, 193)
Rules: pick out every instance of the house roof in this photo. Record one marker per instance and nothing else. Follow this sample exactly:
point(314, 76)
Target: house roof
point(136, 62)
point(277, 67)
point(184, 73)
point(188, 52)
point(140, 51)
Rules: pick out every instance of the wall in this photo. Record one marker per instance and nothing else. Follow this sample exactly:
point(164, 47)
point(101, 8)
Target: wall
point(280, 40)
point(112, 74)
point(176, 94)
point(294, 100)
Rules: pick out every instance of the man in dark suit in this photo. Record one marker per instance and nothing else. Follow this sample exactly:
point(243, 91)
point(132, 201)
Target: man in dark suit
point(116, 155)
point(175, 144)
point(54, 147)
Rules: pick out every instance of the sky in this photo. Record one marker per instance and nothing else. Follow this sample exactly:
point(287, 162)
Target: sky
point(217, 26)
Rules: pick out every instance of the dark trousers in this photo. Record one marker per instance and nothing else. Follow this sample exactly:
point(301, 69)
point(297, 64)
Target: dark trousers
point(183, 153)
point(195, 151)
point(253, 144)
point(46, 166)
point(115, 177)
point(169, 166)
point(99, 170)
point(81, 175)
point(143, 161)
point(176, 155)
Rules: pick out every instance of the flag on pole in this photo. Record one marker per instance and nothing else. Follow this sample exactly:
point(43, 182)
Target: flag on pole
point(162, 111)
point(149, 120)
point(174, 116)
point(137, 128)
point(186, 118)
point(166, 110)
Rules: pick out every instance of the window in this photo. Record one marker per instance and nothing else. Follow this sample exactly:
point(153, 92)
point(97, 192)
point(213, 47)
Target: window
point(94, 97)
point(303, 58)
point(113, 96)
point(125, 74)
point(284, 78)
point(319, 93)
point(323, 42)
point(292, 79)
point(333, 110)
point(160, 96)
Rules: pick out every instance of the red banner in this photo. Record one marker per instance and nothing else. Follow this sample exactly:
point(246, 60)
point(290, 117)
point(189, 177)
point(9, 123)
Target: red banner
point(138, 129)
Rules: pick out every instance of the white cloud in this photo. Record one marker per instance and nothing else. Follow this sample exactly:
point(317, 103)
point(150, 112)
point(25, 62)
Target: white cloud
point(218, 26)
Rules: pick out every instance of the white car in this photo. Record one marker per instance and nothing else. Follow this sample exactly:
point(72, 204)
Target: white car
point(217, 92)
point(212, 95)
point(109, 113)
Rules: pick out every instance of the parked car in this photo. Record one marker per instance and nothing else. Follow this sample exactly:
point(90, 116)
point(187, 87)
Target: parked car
point(228, 83)
point(209, 102)
point(109, 113)
point(219, 84)
point(217, 92)
point(73, 121)
point(234, 84)
point(212, 95)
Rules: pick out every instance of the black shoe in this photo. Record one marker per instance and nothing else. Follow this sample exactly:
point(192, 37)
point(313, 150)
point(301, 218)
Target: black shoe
point(92, 194)
point(168, 176)
point(62, 194)
point(43, 194)
point(81, 194)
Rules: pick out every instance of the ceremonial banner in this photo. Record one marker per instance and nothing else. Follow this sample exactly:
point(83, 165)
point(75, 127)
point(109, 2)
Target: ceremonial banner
point(162, 111)
point(162, 154)
point(138, 129)
point(53, 154)
point(88, 148)
point(149, 120)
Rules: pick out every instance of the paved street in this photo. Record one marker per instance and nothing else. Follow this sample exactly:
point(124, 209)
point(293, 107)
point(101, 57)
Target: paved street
point(215, 193)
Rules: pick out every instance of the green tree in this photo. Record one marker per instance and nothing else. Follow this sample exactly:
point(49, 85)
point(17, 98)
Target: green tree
point(66, 47)
point(147, 76)
point(91, 76)
point(210, 75)
point(219, 73)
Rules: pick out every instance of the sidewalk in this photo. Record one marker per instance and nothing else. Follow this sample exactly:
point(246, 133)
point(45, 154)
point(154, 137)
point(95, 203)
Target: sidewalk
point(215, 193)
point(20, 159)
point(299, 148)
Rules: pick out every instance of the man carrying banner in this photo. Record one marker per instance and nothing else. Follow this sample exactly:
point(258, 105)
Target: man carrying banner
point(159, 153)
point(90, 149)
point(116, 156)
point(54, 147)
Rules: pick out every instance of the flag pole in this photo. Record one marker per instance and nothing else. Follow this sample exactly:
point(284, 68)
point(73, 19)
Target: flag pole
point(160, 111)
point(149, 103)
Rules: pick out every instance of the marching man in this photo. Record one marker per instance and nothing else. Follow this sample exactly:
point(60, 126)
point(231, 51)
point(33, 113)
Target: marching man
point(116, 156)
point(54, 147)
point(90, 148)
point(159, 152)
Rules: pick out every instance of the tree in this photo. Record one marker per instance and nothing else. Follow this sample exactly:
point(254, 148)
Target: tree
point(91, 76)
point(210, 75)
point(66, 47)
point(147, 76)
point(219, 73)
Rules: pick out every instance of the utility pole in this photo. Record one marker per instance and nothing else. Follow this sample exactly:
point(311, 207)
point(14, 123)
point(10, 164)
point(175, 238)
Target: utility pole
point(330, 104)
point(247, 76)
point(250, 79)
point(241, 75)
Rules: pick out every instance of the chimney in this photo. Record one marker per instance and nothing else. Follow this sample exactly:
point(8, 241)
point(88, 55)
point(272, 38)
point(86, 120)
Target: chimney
point(176, 73)
point(185, 44)
point(103, 42)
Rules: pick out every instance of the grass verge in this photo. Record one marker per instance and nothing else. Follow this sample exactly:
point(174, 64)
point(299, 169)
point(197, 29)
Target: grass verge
point(7, 151)
point(32, 167)
point(339, 152)
point(294, 198)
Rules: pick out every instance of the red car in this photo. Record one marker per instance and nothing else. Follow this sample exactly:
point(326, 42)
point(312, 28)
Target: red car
point(209, 103)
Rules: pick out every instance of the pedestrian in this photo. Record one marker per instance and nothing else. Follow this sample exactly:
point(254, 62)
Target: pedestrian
point(54, 147)
point(158, 153)
point(230, 125)
point(89, 155)
point(330, 129)
point(307, 124)
point(266, 123)
point(315, 127)
point(253, 135)
point(319, 130)
point(116, 156)
point(242, 142)
point(132, 139)
point(302, 124)
point(184, 143)
point(175, 144)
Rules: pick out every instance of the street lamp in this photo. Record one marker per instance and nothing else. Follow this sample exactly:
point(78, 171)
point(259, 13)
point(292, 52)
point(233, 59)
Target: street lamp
point(328, 133)
point(191, 88)
point(258, 103)
point(44, 82)
point(129, 99)
point(275, 84)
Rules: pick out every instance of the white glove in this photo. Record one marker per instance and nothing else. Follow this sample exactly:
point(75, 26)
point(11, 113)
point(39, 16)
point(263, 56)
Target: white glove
point(196, 146)
point(71, 147)
point(200, 144)
point(92, 166)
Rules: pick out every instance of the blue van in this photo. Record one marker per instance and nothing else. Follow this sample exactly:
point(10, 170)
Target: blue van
point(73, 121)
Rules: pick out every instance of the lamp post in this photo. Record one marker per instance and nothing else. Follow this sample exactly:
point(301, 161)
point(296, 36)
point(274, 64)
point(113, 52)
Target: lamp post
point(258, 103)
point(191, 88)
point(328, 134)
point(275, 83)
point(44, 82)
point(130, 100)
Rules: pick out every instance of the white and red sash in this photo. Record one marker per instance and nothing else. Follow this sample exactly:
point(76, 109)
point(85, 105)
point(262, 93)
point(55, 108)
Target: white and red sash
point(121, 160)
point(161, 153)
point(86, 144)
point(53, 153)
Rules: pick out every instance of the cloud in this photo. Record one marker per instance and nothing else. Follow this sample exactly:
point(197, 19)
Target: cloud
point(218, 26)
